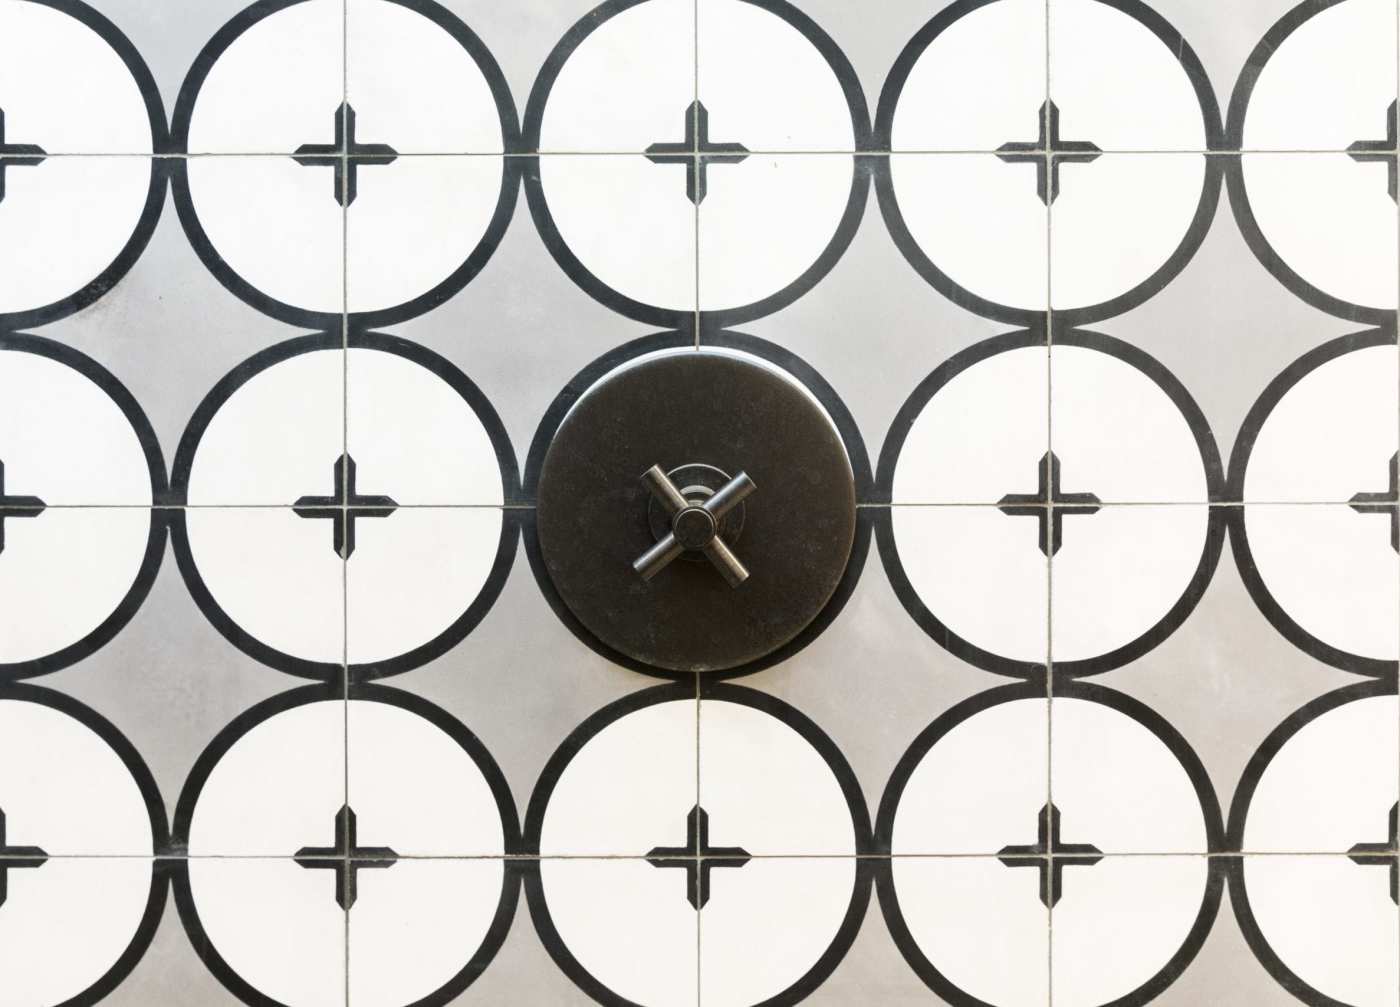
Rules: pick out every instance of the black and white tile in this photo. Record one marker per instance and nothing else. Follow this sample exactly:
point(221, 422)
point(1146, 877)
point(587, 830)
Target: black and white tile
point(1099, 298)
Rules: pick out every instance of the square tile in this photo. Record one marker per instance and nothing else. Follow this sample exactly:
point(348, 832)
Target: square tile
point(975, 226)
point(623, 227)
point(769, 227)
point(1151, 64)
point(266, 927)
point(396, 264)
point(975, 579)
point(522, 967)
point(618, 928)
point(396, 54)
point(930, 57)
point(271, 229)
point(621, 78)
point(814, 102)
point(970, 926)
point(428, 927)
point(777, 927)
point(1324, 224)
point(808, 802)
point(1125, 577)
point(398, 750)
point(73, 577)
point(1122, 225)
point(873, 967)
point(1323, 575)
point(272, 582)
point(1344, 948)
point(76, 225)
point(1126, 926)
point(61, 943)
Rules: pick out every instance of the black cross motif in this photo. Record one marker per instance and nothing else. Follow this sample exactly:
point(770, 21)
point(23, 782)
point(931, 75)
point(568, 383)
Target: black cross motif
point(345, 858)
point(1051, 855)
point(344, 506)
point(15, 506)
point(1383, 854)
point(698, 857)
point(696, 152)
point(16, 155)
point(1048, 504)
point(15, 857)
point(346, 155)
point(1047, 152)
point(1385, 502)
point(1384, 151)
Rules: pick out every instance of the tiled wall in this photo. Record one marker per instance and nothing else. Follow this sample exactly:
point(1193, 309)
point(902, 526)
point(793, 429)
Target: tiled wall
point(1101, 298)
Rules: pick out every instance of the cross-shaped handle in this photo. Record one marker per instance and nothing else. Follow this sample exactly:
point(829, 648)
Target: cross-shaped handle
point(694, 526)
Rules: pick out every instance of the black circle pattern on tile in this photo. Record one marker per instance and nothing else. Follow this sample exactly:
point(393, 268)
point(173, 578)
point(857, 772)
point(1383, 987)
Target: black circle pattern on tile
point(328, 668)
point(1289, 624)
point(958, 718)
point(682, 317)
point(1212, 480)
point(699, 325)
point(301, 699)
point(112, 273)
point(286, 308)
point(1355, 879)
point(144, 574)
point(1302, 279)
point(36, 858)
point(1036, 317)
point(686, 698)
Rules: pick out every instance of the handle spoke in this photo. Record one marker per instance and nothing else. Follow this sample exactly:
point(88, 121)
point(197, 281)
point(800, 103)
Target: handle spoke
point(726, 562)
point(670, 498)
point(658, 557)
point(729, 496)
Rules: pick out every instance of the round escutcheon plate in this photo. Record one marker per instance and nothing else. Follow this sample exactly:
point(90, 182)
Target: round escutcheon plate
point(700, 455)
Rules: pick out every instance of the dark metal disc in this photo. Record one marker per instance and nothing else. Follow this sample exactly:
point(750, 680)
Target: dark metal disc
point(696, 408)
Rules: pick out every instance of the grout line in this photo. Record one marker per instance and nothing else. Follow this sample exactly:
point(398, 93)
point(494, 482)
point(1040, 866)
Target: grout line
point(1126, 503)
point(770, 152)
point(1049, 517)
point(695, 152)
point(1396, 153)
point(874, 857)
point(866, 505)
point(345, 442)
point(695, 147)
point(699, 858)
